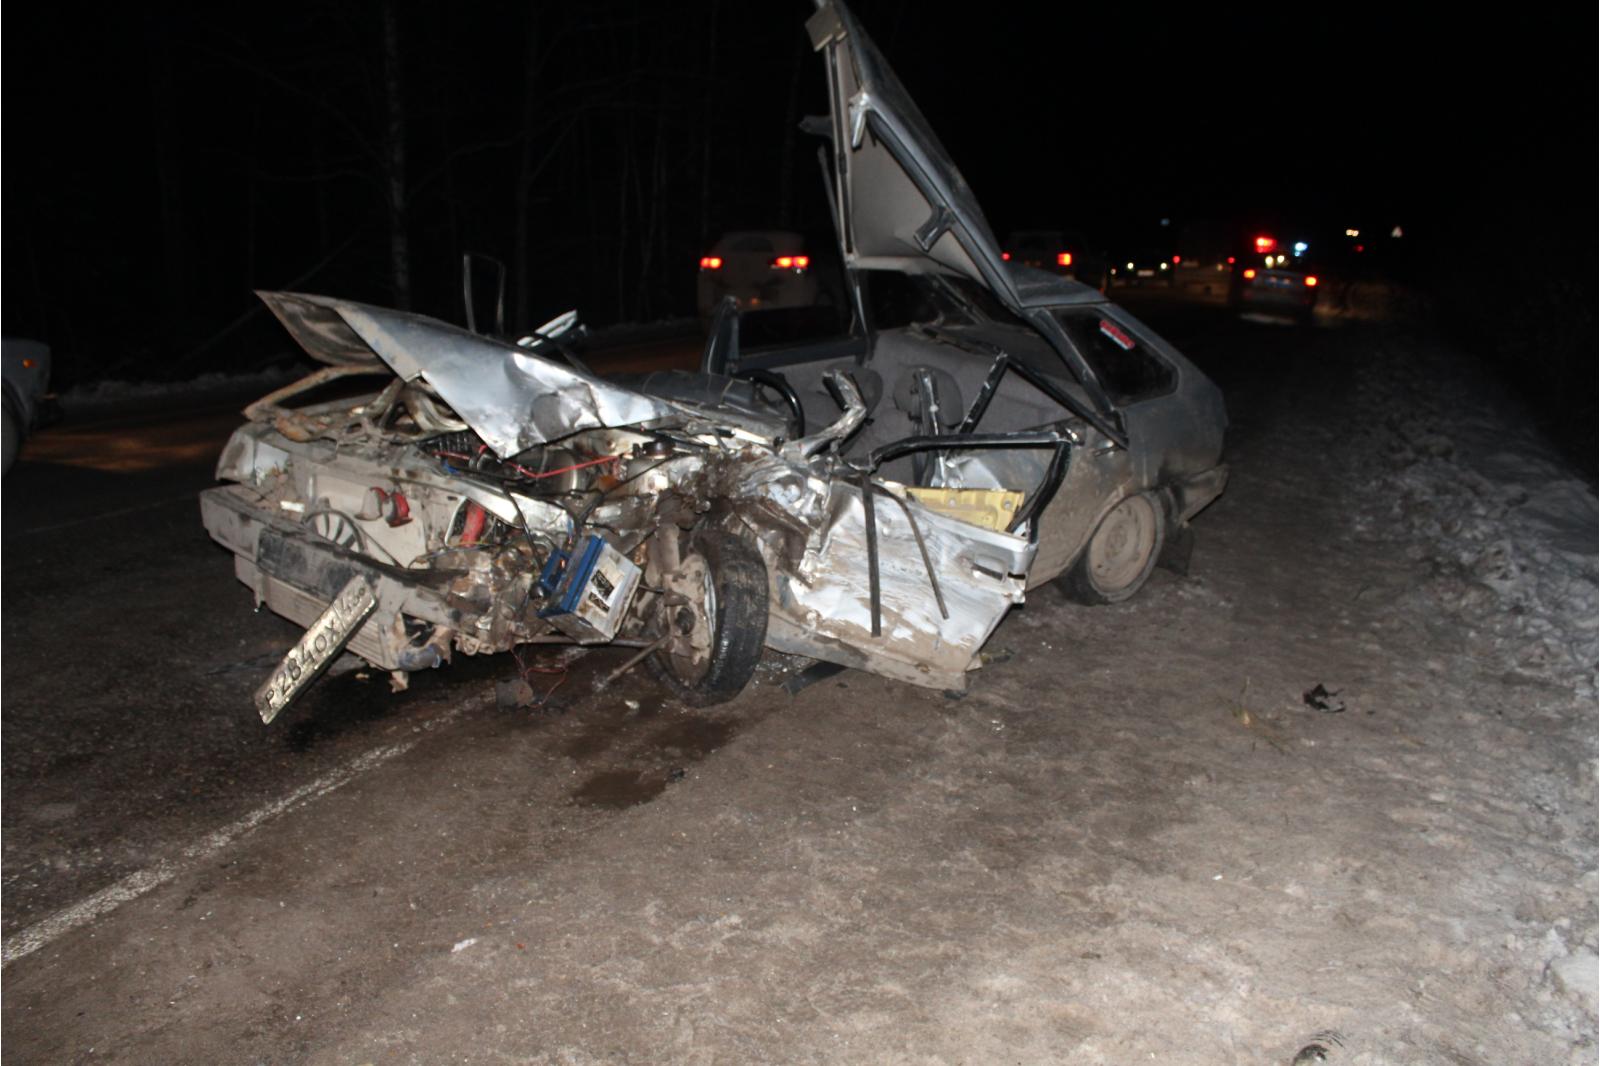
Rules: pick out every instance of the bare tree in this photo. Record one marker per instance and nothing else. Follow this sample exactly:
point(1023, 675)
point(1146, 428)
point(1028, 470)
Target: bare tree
point(394, 160)
point(174, 232)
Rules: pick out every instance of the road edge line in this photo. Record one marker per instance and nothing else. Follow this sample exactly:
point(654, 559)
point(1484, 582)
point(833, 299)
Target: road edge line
point(130, 887)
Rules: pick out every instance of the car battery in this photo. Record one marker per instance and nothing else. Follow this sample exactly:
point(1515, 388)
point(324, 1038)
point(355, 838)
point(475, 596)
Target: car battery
point(588, 590)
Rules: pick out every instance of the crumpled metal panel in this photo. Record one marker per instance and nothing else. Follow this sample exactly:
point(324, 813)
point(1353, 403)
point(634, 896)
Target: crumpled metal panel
point(511, 397)
point(821, 608)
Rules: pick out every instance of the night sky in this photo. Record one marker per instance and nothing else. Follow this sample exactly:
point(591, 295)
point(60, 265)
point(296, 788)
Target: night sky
point(164, 161)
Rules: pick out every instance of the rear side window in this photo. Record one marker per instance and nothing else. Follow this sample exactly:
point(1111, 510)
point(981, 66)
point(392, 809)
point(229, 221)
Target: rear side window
point(750, 243)
point(1128, 370)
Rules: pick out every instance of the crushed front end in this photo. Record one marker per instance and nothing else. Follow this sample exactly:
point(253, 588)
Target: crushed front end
point(488, 496)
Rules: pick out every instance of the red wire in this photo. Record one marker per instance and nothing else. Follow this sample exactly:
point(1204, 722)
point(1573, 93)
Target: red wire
point(551, 691)
point(525, 472)
point(568, 469)
point(525, 670)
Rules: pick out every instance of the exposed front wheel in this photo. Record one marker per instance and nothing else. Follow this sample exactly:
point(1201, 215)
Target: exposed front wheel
point(1120, 554)
point(715, 611)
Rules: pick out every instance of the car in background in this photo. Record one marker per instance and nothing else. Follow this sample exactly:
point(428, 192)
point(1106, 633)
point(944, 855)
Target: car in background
point(1204, 256)
point(26, 376)
point(761, 270)
point(1065, 252)
point(1275, 276)
point(1145, 266)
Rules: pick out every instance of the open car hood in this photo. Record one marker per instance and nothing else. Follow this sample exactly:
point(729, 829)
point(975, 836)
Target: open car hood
point(511, 397)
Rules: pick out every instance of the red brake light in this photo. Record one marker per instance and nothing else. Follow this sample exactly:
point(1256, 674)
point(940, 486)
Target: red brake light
point(1266, 244)
point(1311, 281)
point(1064, 259)
point(710, 262)
point(1249, 274)
point(792, 262)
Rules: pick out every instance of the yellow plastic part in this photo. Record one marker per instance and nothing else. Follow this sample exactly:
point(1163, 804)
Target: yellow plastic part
point(989, 508)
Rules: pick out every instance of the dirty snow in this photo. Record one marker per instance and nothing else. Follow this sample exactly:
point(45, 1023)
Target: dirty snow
point(92, 398)
point(1507, 530)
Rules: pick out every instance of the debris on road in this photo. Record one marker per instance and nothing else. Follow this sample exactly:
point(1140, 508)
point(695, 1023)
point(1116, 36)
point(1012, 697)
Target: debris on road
point(1253, 722)
point(1321, 699)
point(1318, 1050)
point(512, 694)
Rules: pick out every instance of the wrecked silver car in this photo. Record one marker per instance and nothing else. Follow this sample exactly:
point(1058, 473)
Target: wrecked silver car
point(878, 501)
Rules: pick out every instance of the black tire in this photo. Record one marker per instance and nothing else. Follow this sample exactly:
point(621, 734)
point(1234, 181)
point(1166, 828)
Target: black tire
point(1120, 554)
point(734, 617)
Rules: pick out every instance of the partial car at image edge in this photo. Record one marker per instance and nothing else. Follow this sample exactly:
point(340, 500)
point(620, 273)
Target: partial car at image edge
point(26, 377)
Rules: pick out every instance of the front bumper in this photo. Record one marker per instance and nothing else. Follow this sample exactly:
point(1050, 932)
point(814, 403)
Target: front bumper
point(297, 574)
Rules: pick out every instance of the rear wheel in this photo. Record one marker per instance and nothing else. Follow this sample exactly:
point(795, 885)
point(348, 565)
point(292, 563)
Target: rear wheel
point(1120, 554)
point(716, 615)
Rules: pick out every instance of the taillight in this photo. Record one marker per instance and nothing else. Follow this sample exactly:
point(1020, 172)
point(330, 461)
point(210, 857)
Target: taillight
point(1311, 281)
point(710, 262)
point(792, 262)
point(1064, 259)
point(1249, 275)
point(1266, 244)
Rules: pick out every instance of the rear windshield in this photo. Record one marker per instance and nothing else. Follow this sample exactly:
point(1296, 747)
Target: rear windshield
point(896, 300)
point(1038, 241)
point(1282, 261)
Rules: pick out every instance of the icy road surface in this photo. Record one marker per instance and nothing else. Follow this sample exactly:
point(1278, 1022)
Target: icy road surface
point(1136, 840)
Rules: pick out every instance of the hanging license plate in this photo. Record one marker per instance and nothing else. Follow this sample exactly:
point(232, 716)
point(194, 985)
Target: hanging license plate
point(317, 647)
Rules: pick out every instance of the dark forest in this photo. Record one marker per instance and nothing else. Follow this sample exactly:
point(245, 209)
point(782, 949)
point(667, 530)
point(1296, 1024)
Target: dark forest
point(174, 159)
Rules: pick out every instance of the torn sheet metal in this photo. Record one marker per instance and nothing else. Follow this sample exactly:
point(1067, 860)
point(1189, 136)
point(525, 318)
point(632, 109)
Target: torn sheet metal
point(820, 607)
point(512, 398)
